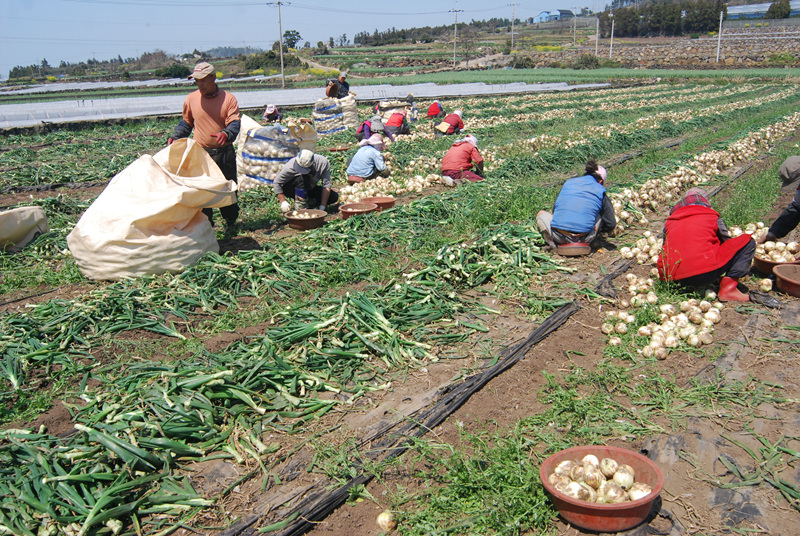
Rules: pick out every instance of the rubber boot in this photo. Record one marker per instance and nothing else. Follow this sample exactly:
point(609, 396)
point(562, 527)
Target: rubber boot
point(729, 292)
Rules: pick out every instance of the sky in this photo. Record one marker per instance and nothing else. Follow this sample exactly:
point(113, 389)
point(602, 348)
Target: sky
point(77, 30)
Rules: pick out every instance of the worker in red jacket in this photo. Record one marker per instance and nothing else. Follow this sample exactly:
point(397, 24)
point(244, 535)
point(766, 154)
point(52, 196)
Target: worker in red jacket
point(698, 249)
point(462, 161)
point(435, 111)
point(452, 124)
point(397, 124)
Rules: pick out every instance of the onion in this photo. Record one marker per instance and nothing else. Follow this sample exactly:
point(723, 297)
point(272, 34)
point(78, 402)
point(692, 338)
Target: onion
point(590, 459)
point(644, 331)
point(386, 521)
point(555, 480)
point(624, 477)
point(713, 315)
point(615, 341)
point(661, 353)
point(576, 491)
point(592, 476)
point(765, 285)
point(639, 490)
point(621, 328)
point(612, 493)
point(608, 466)
point(607, 328)
point(576, 474)
point(705, 337)
point(711, 295)
point(565, 468)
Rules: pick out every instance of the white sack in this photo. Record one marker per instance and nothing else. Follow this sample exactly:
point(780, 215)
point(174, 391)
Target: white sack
point(349, 112)
point(19, 226)
point(149, 218)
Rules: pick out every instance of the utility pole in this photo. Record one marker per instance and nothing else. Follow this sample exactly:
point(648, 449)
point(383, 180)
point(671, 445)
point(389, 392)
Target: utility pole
point(574, 26)
point(455, 34)
point(280, 37)
point(611, 47)
point(513, 6)
point(719, 37)
point(597, 36)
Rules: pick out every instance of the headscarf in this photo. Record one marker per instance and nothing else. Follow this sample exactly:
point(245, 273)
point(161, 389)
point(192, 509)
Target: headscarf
point(469, 138)
point(693, 196)
point(459, 113)
point(376, 140)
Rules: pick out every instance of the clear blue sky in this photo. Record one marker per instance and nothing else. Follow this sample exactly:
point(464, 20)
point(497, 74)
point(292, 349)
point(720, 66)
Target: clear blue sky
point(76, 30)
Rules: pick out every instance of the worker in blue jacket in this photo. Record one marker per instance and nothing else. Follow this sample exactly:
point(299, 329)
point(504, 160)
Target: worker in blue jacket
point(582, 210)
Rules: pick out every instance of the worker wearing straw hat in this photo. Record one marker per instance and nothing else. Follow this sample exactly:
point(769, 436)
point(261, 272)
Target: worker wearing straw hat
point(271, 114)
point(452, 124)
point(368, 162)
point(300, 179)
point(699, 251)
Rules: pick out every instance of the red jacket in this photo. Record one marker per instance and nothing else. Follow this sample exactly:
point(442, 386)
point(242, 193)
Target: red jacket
point(434, 109)
point(461, 156)
point(455, 122)
point(692, 245)
point(396, 120)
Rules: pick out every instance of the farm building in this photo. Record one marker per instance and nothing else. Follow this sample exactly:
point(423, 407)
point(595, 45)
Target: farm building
point(758, 11)
point(550, 16)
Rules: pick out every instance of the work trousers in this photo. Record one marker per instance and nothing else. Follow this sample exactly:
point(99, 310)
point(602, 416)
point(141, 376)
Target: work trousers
point(788, 219)
point(736, 268)
point(225, 158)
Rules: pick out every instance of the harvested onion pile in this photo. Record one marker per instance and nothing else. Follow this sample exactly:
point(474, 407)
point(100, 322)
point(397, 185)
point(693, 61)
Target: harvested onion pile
point(599, 481)
point(778, 251)
point(301, 214)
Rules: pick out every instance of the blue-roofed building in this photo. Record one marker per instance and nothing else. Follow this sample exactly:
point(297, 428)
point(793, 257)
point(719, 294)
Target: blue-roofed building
point(550, 16)
point(758, 11)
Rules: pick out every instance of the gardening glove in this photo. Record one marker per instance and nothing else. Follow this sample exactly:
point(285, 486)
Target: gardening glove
point(221, 138)
point(170, 140)
point(322, 207)
point(285, 206)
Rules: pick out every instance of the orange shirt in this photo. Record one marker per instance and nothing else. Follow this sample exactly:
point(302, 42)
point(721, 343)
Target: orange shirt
point(461, 156)
point(208, 116)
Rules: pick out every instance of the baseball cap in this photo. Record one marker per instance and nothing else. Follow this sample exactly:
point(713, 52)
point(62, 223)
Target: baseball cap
point(343, 74)
point(303, 161)
point(201, 70)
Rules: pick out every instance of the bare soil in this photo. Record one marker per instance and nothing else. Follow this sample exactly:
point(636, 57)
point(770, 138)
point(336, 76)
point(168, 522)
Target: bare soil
point(750, 342)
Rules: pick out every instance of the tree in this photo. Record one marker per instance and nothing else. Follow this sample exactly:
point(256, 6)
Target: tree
point(291, 38)
point(343, 40)
point(780, 9)
point(331, 44)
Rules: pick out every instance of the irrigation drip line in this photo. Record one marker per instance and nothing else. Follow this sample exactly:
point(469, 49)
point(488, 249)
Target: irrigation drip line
point(51, 186)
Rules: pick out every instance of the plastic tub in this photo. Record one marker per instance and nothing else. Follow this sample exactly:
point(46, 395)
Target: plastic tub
point(316, 218)
point(383, 201)
point(766, 266)
point(351, 209)
point(788, 278)
point(605, 517)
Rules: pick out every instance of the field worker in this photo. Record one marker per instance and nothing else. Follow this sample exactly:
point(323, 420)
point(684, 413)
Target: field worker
point(344, 87)
point(451, 124)
point(459, 160)
point(368, 161)
point(398, 124)
point(698, 249)
point(373, 125)
point(213, 114)
point(435, 111)
point(271, 114)
point(790, 217)
point(300, 179)
point(582, 210)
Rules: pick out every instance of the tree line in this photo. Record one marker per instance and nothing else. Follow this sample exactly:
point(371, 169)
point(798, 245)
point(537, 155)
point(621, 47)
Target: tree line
point(673, 19)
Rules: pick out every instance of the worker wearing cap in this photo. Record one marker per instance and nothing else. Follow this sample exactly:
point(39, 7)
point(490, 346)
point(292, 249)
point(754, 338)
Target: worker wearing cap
point(451, 124)
point(582, 210)
point(373, 125)
point(300, 179)
point(271, 114)
point(213, 115)
point(462, 162)
point(368, 161)
point(344, 87)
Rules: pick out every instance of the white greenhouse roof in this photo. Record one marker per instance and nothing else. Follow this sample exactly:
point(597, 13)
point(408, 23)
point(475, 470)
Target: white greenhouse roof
point(29, 114)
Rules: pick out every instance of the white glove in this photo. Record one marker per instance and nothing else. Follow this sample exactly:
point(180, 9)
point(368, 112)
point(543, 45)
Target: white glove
point(285, 206)
point(322, 207)
point(447, 181)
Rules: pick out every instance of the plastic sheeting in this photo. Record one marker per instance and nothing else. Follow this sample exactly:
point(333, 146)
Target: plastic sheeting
point(29, 114)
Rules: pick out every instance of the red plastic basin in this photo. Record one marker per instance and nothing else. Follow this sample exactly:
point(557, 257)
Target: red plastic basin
point(351, 209)
point(788, 278)
point(605, 517)
point(383, 201)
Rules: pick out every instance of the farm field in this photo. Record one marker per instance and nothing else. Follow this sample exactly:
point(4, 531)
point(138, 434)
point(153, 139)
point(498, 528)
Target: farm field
point(425, 359)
